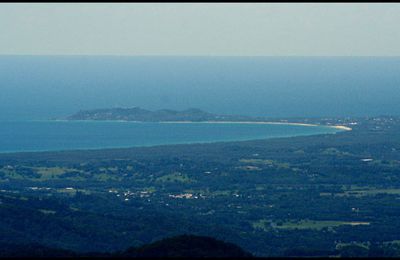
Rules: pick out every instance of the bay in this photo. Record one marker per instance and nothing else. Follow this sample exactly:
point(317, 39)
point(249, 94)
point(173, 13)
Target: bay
point(26, 136)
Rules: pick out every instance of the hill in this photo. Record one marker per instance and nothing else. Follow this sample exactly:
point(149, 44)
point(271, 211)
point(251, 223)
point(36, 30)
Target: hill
point(187, 246)
point(32, 250)
point(139, 114)
point(179, 246)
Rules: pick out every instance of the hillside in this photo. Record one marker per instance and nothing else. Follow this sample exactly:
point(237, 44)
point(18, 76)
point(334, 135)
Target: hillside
point(187, 246)
point(178, 246)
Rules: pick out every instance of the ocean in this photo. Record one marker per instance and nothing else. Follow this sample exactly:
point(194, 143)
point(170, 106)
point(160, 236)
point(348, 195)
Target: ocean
point(44, 87)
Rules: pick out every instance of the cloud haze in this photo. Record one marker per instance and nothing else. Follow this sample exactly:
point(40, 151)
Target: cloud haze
point(201, 29)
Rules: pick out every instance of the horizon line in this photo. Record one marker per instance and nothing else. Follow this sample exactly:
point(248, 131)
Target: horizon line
point(205, 56)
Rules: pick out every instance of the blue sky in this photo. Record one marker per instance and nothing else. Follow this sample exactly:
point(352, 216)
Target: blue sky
point(259, 29)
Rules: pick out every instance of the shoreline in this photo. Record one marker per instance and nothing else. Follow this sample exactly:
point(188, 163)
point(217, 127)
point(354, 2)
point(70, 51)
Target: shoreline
point(346, 128)
point(340, 127)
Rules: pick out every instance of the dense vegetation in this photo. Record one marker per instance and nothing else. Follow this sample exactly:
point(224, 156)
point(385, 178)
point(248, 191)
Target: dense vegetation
point(179, 246)
point(139, 114)
point(336, 194)
point(187, 246)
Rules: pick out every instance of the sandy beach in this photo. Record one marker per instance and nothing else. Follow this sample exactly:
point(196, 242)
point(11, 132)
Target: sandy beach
point(341, 127)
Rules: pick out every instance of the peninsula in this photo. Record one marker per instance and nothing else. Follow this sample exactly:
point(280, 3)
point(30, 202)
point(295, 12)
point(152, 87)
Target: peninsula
point(162, 115)
point(137, 114)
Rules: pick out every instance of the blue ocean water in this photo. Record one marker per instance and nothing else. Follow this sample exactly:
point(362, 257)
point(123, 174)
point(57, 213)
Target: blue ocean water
point(21, 136)
point(42, 87)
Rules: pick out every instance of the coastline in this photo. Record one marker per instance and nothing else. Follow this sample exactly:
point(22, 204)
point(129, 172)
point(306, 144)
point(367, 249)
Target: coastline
point(340, 127)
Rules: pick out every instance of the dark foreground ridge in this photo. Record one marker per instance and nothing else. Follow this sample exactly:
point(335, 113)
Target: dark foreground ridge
point(143, 115)
point(179, 246)
point(187, 246)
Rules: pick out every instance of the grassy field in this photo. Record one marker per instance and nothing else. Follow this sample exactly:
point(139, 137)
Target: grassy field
point(175, 177)
point(361, 191)
point(267, 225)
point(265, 162)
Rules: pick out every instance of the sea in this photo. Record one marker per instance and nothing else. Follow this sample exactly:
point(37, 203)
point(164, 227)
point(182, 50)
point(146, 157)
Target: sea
point(52, 135)
point(45, 87)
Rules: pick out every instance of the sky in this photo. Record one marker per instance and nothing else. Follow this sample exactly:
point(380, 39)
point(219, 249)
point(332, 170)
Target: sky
point(200, 29)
